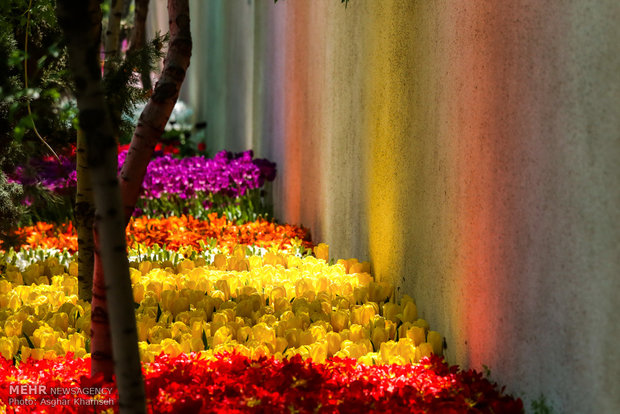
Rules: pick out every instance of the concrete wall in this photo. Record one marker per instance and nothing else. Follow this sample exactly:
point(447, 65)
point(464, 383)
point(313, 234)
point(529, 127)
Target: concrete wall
point(470, 150)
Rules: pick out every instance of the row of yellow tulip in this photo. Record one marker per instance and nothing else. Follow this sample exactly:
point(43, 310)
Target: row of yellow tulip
point(277, 304)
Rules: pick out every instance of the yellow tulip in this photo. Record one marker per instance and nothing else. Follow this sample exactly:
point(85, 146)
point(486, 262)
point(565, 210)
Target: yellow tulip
point(422, 323)
point(219, 261)
point(59, 322)
point(333, 343)
point(388, 350)
point(223, 286)
point(145, 267)
point(391, 311)
point(171, 347)
point(305, 338)
point(158, 333)
point(318, 352)
point(423, 350)
point(417, 334)
point(34, 353)
point(360, 294)
point(406, 349)
point(410, 312)
point(281, 344)
point(371, 358)
point(13, 327)
point(5, 287)
point(379, 292)
point(260, 351)
point(263, 333)
point(379, 336)
point(340, 320)
point(362, 315)
point(292, 337)
point(73, 269)
point(255, 262)
point(75, 344)
point(353, 350)
point(178, 329)
point(185, 266)
point(434, 338)
point(321, 251)
point(245, 308)
point(358, 333)
point(181, 304)
point(222, 336)
point(8, 347)
point(143, 326)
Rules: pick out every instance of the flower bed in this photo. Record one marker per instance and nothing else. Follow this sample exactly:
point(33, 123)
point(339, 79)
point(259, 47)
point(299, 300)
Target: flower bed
point(277, 333)
point(176, 232)
point(229, 383)
point(227, 184)
point(280, 305)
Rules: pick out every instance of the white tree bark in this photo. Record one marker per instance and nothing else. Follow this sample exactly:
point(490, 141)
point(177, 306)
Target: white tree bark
point(81, 24)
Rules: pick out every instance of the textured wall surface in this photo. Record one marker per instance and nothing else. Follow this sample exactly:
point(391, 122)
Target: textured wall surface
point(470, 150)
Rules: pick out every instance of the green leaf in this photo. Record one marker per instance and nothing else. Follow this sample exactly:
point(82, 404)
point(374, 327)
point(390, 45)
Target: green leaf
point(158, 313)
point(30, 344)
point(204, 340)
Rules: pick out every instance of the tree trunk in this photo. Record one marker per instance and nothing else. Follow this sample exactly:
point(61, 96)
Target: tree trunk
point(138, 37)
point(84, 214)
point(157, 111)
point(81, 23)
point(112, 34)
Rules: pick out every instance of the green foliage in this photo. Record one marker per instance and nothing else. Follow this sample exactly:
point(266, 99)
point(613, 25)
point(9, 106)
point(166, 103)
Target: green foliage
point(249, 207)
point(122, 87)
point(540, 406)
point(36, 92)
point(30, 54)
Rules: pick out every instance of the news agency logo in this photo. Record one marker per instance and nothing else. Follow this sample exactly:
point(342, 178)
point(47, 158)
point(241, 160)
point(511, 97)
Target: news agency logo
point(28, 389)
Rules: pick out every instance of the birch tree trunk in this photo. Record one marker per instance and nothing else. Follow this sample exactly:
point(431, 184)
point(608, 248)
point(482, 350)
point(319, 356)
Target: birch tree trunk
point(84, 214)
point(112, 35)
point(80, 21)
point(138, 37)
point(157, 111)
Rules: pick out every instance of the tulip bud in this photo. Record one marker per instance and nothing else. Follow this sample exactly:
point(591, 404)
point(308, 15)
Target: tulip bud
point(422, 324)
point(406, 349)
point(281, 344)
point(356, 268)
point(390, 311)
point(434, 338)
point(424, 350)
point(410, 312)
point(333, 343)
point(306, 338)
point(378, 336)
point(358, 333)
point(13, 327)
point(8, 347)
point(219, 261)
point(222, 335)
point(264, 334)
point(318, 352)
point(339, 320)
point(387, 351)
point(321, 251)
point(292, 337)
point(417, 334)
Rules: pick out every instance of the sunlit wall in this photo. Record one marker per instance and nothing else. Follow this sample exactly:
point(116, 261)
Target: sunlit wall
point(470, 150)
